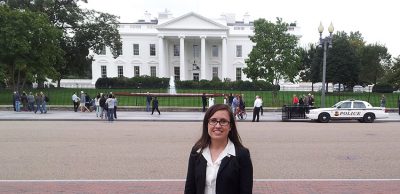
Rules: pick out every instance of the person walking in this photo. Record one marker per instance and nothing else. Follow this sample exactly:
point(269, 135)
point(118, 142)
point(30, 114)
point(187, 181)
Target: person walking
point(75, 100)
point(103, 106)
point(16, 101)
point(383, 101)
point(110, 103)
point(39, 102)
point(155, 106)
point(257, 108)
point(97, 104)
point(31, 102)
point(148, 101)
point(204, 101)
point(44, 102)
point(115, 106)
point(218, 161)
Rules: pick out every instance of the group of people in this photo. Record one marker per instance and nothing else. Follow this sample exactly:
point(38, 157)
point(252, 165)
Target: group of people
point(153, 101)
point(105, 105)
point(303, 100)
point(30, 102)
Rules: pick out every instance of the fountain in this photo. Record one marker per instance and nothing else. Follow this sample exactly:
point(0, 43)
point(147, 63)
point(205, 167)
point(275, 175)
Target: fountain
point(171, 88)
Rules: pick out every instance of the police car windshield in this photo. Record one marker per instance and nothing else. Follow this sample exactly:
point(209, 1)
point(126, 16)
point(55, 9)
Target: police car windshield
point(337, 104)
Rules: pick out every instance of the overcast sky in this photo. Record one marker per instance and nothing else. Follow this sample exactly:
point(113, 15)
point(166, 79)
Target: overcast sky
point(378, 21)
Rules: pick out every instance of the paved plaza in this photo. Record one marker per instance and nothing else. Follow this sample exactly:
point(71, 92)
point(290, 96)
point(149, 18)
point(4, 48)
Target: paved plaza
point(68, 152)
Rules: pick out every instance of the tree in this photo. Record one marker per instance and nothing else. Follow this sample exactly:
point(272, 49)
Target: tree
point(83, 30)
point(28, 45)
point(393, 76)
point(342, 62)
point(275, 55)
point(307, 57)
point(375, 60)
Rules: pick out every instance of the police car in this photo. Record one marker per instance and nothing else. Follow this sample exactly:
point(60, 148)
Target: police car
point(348, 110)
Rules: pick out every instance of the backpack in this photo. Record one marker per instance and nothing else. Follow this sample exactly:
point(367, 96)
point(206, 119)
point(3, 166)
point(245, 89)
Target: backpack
point(46, 99)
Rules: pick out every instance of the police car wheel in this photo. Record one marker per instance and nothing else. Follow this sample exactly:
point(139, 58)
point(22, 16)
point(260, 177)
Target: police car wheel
point(369, 118)
point(361, 120)
point(324, 117)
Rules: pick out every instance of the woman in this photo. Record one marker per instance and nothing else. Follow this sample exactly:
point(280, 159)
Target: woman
point(218, 162)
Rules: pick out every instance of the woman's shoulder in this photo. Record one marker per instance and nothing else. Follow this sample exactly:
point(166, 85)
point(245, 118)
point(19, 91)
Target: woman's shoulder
point(242, 151)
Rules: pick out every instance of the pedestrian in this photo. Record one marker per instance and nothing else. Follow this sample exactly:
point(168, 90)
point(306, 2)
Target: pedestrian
point(261, 108)
point(218, 161)
point(204, 101)
point(75, 100)
point(44, 102)
point(24, 101)
point(39, 103)
point(16, 101)
point(148, 101)
point(383, 101)
point(115, 106)
point(154, 106)
point(97, 104)
point(398, 103)
point(31, 102)
point(230, 99)
point(295, 100)
point(257, 108)
point(211, 101)
point(103, 106)
point(110, 107)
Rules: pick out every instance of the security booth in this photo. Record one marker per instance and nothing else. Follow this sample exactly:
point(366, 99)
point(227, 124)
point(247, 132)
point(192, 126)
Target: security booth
point(290, 112)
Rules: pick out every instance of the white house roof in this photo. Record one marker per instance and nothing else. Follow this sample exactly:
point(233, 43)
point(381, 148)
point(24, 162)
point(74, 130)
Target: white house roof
point(191, 21)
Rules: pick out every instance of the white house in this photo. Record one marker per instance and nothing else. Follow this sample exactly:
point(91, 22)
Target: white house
point(189, 47)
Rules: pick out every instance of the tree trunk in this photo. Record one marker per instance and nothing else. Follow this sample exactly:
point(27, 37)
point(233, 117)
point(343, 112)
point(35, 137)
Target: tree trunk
point(18, 79)
point(312, 86)
point(13, 75)
point(58, 83)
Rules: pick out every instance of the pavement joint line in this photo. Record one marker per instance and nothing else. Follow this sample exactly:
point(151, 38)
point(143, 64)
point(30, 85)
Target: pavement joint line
point(183, 180)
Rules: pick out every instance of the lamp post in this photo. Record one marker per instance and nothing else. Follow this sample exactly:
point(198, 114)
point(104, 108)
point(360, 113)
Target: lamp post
point(325, 42)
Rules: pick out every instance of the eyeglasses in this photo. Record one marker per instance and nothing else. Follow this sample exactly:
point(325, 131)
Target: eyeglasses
point(221, 122)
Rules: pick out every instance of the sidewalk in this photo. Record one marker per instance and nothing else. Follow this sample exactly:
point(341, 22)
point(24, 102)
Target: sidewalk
point(59, 115)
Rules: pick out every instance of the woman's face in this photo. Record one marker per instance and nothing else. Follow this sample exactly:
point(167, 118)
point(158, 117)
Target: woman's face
point(219, 125)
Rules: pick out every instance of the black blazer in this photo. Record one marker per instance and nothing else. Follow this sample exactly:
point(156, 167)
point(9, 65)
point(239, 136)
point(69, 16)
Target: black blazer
point(235, 174)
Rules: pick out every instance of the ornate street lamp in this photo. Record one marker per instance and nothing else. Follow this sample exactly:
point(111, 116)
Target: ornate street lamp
point(325, 42)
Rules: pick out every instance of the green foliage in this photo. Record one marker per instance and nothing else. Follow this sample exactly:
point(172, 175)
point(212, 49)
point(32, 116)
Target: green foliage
point(29, 45)
point(236, 85)
point(393, 75)
point(134, 82)
point(275, 55)
point(383, 88)
point(83, 30)
point(375, 59)
point(342, 61)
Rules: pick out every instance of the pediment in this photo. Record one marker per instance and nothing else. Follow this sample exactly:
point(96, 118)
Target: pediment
point(136, 62)
point(102, 61)
point(120, 62)
point(152, 62)
point(191, 21)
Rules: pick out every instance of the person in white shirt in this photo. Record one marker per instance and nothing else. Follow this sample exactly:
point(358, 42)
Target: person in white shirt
point(257, 108)
point(75, 100)
point(110, 103)
point(218, 162)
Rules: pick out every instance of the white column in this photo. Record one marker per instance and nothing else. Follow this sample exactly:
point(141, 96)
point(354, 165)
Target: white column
point(203, 58)
point(224, 59)
point(182, 57)
point(161, 58)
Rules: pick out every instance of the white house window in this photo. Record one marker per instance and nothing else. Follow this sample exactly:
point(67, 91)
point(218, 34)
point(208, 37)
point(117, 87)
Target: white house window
point(136, 70)
point(103, 71)
point(152, 50)
point(238, 74)
point(153, 71)
point(177, 73)
point(120, 71)
point(238, 50)
point(103, 51)
point(135, 49)
point(214, 51)
point(215, 72)
point(176, 50)
point(196, 51)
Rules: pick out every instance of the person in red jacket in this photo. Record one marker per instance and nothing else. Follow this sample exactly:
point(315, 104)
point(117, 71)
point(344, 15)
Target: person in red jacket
point(295, 100)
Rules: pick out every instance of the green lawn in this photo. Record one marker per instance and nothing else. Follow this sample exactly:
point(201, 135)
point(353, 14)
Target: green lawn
point(62, 96)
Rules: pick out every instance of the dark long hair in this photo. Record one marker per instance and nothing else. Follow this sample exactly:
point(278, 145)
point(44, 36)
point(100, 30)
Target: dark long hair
point(233, 135)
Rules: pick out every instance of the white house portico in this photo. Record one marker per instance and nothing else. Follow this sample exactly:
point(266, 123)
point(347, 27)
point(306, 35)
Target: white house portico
point(189, 47)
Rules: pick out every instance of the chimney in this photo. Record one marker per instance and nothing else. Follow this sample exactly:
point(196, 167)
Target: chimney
point(147, 16)
point(246, 18)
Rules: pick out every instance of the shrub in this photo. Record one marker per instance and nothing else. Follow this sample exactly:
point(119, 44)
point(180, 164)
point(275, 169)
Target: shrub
point(135, 82)
point(383, 88)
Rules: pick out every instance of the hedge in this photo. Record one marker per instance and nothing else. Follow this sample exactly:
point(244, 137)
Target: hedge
point(134, 82)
